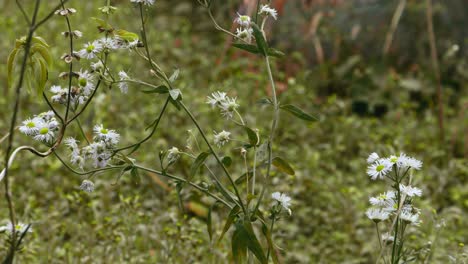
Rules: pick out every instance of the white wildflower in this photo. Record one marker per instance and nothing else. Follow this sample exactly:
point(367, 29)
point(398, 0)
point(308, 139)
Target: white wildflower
point(46, 132)
point(221, 138)
point(216, 99)
point(383, 200)
point(379, 169)
point(377, 214)
point(19, 227)
point(283, 199)
point(30, 126)
point(90, 50)
point(86, 82)
point(242, 20)
point(108, 136)
point(387, 238)
point(372, 158)
point(410, 191)
point(228, 107)
point(245, 34)
point(268, 11)
point(410, 217)
point(173, 154)
point(87, 186)
point(123, 85)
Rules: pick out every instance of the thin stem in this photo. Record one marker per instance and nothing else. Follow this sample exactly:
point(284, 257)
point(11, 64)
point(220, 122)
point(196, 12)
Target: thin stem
point(26, 17)
point(271, 232)
point(83, 134)
point(254, 170)
point(152, 131)
point(435, 66)
point(8, 195)
point(70, 73)
point(393, 26)
point(274, 125)
point(215, 155)
point(196, 186)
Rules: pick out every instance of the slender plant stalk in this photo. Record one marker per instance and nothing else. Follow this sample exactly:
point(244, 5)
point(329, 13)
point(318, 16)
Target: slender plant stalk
point(8, 195)
point(393, 26)
point(435, 67)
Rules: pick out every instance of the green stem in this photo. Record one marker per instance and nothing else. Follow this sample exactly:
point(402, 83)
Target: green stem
point(271, 232)
point(8, 195)
point(196, 186)
point(83, 134)
point(152, 131)
point(215, 155)
point(274, 125)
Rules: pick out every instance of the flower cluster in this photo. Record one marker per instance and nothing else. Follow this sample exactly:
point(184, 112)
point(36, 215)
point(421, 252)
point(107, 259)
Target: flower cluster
point(226, 104)
point(79, 94)
point(91, 50)
point(41, 127)
point(379, 168)
point(245, 31)
point(98, 152)
point(221, 138)
point(398, 201)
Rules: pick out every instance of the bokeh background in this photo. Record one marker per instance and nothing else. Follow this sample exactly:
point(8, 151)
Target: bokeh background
point(369, 98)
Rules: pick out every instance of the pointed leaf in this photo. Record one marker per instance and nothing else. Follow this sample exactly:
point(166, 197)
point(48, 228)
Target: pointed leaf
point(10, 64)
point(248, 237)
point(298, 113)
point(253, 137)
point(159, 90)
point(229, 221)
point(247, 47)
point(198, 162)
point(274, 252)
point(260, 39)
point(283, 166)
point(174, 76)
point(275, 53)
point(239, 248)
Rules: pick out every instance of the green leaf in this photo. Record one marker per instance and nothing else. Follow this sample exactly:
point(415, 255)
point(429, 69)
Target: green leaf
point(242, 179)
point(135, 176)
point(39, 40)
point(175, 94)
point(44, 74)
point(44, 51)
point(126, 35)
point(239, 248)
point(229, 221)
point(209, 224)
point(248, 237)
point(283, 166)
point(10, 64)
point(159, 90)
point(298, 113)
point(253, 136)
point(267, 234)
point(260, 39)
point(265, 101)
point(275, 53)
point(174, 76)
point(247, 47)
point(198, 162)
point(227, 161)
point(179, 187)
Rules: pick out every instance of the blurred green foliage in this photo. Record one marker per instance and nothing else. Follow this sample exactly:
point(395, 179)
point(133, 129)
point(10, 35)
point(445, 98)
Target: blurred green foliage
point(367, 102)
